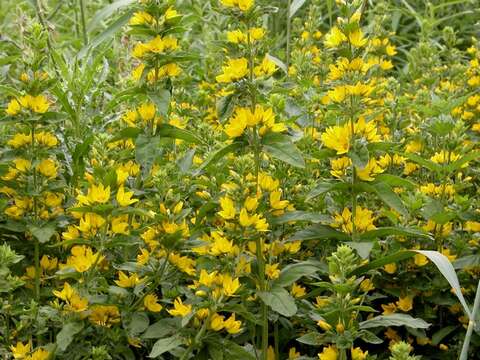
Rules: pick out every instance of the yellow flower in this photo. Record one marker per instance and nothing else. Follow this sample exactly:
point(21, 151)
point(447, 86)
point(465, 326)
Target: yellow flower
point(367, 285)
point(293, 354)
point(141, 18)
point(357, 39)
point(340, 166)
point(125, 281)
point(420, 260)
point(20, 351)
point(96, 194)
point(334, 37)
point(337, 138)
point(272, 271)
point(358, 354)
point(389, 308)
point(229, 285)
point(39, 354)
point(324, 325)
point(74, 302)
point(405, 303)
point(275, 201)
point(234, 70)
point(370, 171)
point(150, 302)
point(364, 220)
point(228, 208)
point(217, 322)
point(180, 309)
point(47, 168)
point(298, 291)
point(83, 258)
point(105, 315)
point(125, 198)
point(13, 109)
point(231, 325)
point(329, 353)
point(147, 111)
point(390, 268)
point(266, 68)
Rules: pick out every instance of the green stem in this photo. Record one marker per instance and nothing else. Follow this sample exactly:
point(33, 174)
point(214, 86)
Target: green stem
point(471, 324)
point(262, 284)
point(289, 26)
point(84, 24)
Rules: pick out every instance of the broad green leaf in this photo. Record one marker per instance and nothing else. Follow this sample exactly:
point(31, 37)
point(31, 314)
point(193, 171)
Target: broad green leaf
point(161, 98)
point(394, 320)
point(147, 150)
point(388, 196)
point(185, 163)
point(442, 333)
point(293, 272)
point(369, 337)
point(66, 335)
point(396, 181)
point(475, 155)
point(315, 338)
point(164, 345)
point(398, 256)
point(318, 232)
point(282, 148)
point(106, 12)
point(106, 34)
point(363, 248)
point(279, 300)
point(139, 323)
point(296, 4)
point(468, 261)
point(233, 351)
point(161, 328)
point(430, 165)
point(167, 130)
point(298, 215)
point(42, 233)
point(360, 157)
point(391, 230)
point(278, 62)
point(217, 155)
point(447, 270)
point(325, 187)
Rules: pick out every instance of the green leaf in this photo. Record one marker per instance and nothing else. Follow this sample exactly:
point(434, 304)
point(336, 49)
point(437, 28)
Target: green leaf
point(363, 248)
point(392, 230)
point(174, 132)
point(293, 272)
point(325, 187)
point(314, 339)
point(147, 150)
point(43, 233)
point(296, 4)
point(106, 34)
point(282, 148)
point(387, 195)
point(394, 320)
point(278, 62)
point(233, 351)
point(185, 163)
point(161, 328)
point(293, 216)
point(163, 345)
point(446, 268)
point(318, 232)
point(161, 98)
point(139, 323)
point(66, 335)
point(106, 12)
point(369, 337)
point(394, 180)
point(279, 300)
point(360, 157)
point(217, 155)
point(430, 165)
point(475, 155)
point(442, 333)
point(398, 256)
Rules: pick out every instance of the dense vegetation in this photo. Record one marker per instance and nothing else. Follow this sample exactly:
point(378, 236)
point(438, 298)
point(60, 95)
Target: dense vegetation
point(239, 179)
